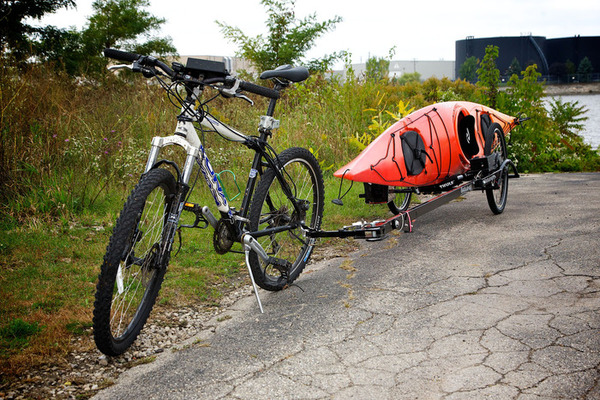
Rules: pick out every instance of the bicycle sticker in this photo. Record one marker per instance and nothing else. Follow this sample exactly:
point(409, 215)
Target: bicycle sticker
point(253, 173)
point(308, 253)
point(213, 183)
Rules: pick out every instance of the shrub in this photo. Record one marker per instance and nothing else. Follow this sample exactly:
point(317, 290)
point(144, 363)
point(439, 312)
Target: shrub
point(549, 140)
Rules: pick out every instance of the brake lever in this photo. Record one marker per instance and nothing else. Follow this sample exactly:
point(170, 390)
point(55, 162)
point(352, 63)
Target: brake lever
point(244, 97)
point(136, 67)
point(234, 92)
point(120, 66)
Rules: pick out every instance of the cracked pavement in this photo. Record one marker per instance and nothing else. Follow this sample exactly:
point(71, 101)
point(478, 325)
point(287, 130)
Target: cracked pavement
point(468, 306)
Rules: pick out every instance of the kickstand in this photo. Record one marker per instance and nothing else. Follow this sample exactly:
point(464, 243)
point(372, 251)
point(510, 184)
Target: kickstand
point(247, 250)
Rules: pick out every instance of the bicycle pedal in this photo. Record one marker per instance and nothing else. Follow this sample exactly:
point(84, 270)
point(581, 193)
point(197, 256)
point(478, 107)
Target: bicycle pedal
point(282, 266)
point(193, 207)
point(201, 221)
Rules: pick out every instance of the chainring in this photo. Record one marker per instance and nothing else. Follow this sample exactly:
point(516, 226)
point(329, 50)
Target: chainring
point(223, 237)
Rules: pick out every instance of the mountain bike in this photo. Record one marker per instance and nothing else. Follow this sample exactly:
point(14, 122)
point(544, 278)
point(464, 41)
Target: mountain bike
point(282, 200)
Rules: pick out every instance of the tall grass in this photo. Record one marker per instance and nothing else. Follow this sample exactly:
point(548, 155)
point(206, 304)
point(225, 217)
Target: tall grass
point(71, 151)
point(66, 145)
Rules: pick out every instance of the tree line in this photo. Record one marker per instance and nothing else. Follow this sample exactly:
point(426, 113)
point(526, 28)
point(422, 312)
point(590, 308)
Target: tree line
point(124, 24)
point(129, 26)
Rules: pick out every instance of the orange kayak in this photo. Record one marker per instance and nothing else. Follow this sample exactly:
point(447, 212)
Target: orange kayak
point(428, 146)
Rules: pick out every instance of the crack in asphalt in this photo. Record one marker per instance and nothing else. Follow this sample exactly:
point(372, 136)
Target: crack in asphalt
point(483, 373)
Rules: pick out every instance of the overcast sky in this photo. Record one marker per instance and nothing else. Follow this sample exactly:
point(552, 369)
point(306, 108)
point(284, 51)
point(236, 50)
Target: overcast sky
point(422, 30)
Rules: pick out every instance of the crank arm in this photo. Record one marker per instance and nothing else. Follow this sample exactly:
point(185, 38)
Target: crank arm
point(203, 214)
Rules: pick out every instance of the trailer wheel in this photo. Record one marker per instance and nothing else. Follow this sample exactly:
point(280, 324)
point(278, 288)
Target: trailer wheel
point(399, 202)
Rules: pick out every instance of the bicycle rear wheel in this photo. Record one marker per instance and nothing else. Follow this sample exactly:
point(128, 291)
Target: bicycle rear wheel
point(131, 274)
point(271, 208)
point(498, 193)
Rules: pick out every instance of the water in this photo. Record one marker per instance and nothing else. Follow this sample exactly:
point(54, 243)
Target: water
point(591, 133)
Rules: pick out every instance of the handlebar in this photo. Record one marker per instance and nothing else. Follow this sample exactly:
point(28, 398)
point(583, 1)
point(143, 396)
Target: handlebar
point(121, 55)
point(259, 90)
point(149, 61)
point(143, 61)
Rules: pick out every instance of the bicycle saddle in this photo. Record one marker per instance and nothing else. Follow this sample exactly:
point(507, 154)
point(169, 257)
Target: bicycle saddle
point(287, 72)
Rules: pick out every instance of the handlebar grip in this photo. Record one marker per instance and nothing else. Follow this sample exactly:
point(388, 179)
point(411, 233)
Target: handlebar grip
point(121, 55)
point(260, 90)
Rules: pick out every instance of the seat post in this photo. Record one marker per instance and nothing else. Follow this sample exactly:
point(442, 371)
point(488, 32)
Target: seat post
point(271, 110)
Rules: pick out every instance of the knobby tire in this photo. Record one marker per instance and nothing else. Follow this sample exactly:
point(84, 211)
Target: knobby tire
point(498, 194)
point(131, 274)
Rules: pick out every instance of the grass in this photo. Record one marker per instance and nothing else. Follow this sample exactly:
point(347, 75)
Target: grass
point(69, 162)
point(47, 278)
point(16, 334)
point(48, 272)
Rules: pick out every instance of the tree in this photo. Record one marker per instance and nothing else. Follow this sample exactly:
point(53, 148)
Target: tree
point(288, 40)
point(409, 77)
point(59, 47)
point(489, 75)
point(514, 68)
point(377, 69)
point(14, 32)
point(468, 71)
point(585, 69)
point(123, 24)
point(570, 67)
point(120, 24)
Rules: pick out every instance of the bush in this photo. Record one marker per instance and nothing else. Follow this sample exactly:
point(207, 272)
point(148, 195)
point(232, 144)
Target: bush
point(549, 140)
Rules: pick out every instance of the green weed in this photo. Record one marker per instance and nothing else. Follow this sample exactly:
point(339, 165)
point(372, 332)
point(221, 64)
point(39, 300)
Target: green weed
point(16, 335)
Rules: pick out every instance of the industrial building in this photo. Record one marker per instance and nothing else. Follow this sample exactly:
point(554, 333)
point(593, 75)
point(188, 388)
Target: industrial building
point(426, 69)
point(550, 55)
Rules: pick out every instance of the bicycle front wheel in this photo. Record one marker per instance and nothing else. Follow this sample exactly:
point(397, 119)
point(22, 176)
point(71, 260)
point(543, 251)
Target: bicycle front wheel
point(271, 208)
point(131, 274)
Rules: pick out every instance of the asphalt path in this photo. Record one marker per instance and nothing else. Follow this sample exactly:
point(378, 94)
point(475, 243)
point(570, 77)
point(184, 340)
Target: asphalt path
point(468, 306)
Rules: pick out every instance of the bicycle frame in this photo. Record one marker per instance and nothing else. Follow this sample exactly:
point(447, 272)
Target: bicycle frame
point(186, 137)
point(283, 200)
point(274, 205)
